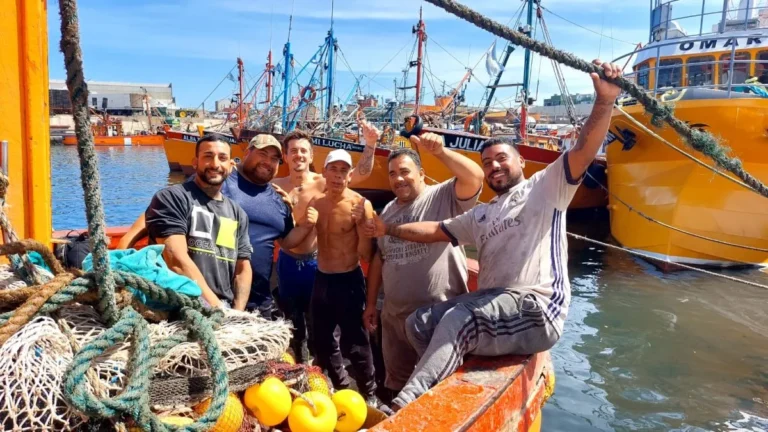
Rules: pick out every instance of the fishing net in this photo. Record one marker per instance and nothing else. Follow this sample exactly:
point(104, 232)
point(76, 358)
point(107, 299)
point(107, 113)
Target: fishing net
point(34, 360)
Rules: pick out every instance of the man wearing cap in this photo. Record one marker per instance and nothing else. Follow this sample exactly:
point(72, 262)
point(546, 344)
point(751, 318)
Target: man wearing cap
point(269, 216)
point(338, 295)
point(296, 267)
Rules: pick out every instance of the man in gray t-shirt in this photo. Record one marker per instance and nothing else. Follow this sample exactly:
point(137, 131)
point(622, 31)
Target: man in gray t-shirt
point(523, 288)
point(414, 274)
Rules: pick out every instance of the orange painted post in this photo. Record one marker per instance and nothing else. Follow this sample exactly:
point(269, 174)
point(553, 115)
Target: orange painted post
point(24, 113)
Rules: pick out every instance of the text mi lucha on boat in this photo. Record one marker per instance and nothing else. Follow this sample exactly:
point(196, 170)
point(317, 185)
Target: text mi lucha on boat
point(662, 201)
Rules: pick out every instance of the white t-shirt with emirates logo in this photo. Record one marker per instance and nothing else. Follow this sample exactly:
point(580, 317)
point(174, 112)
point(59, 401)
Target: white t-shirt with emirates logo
point(521, 240)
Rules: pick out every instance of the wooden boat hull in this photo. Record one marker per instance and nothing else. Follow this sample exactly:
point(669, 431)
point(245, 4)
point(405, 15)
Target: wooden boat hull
point(180, 148)
point(665, 185)
point(121, 141)
point(503, 393)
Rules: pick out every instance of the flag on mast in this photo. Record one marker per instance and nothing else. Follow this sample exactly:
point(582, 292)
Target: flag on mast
point(492, 65)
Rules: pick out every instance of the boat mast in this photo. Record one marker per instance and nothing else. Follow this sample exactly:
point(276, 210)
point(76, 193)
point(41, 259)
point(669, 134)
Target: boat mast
point(240, 77)
point(526, 76)
point(420, 31)
point(269, 78)
point(331, 41)
point(287, 76)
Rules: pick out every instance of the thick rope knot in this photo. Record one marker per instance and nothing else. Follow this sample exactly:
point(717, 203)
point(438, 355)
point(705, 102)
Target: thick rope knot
point(134, 399)
point(660, 114)
point(4, 183)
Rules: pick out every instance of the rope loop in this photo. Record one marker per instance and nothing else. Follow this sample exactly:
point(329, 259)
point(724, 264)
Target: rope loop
point(76, 383)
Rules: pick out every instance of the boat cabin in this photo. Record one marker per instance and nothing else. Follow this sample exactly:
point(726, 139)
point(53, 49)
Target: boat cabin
point(733, 53)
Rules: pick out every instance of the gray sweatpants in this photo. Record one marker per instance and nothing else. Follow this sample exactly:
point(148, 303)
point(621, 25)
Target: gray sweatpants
point(489, 322)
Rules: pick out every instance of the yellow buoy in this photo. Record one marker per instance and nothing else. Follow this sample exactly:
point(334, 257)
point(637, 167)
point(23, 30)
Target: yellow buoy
point(269, 402)
point(318, 383)
point(351, 410)
point(288, 359)
point(169, 420)
point(305, 418)
point(231, 417)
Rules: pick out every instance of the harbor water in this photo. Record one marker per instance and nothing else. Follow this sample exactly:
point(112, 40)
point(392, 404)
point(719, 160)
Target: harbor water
point(641, 350)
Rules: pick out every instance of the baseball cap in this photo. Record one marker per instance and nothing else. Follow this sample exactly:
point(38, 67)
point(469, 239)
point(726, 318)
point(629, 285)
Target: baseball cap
point(338, 155)
point(263, 141)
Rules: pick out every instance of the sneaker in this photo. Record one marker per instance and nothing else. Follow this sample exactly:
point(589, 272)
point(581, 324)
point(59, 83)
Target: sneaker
point(374, 402)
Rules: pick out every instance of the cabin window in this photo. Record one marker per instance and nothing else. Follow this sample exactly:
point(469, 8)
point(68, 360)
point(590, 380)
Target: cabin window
point(642, 75)
point(740, 70)
point(762, 68)
point(95, 102)
point(670, 73)
point(699, 74)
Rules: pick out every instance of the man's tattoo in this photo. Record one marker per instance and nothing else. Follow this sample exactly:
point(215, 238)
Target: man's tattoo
point(365, 165)
point(598, 111)
point(393, 230)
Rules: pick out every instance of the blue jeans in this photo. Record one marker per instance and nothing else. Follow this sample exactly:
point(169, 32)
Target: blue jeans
point(296, 276)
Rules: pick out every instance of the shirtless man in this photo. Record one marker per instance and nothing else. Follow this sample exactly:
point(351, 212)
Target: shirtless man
point(296, 267)
point(338, 295)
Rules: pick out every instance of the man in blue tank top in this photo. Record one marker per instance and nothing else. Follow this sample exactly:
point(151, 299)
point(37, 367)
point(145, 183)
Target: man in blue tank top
point(269, 216)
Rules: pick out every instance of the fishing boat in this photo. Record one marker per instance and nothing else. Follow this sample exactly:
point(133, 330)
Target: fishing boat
point(663, 202)
point(502, 393)
point(539, 150)
point(109, 132)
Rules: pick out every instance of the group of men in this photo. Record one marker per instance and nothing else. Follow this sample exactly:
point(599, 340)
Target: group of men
point(220, 226)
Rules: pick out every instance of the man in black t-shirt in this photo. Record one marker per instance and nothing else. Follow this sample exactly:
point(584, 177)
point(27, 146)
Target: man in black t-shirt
point(205, 233)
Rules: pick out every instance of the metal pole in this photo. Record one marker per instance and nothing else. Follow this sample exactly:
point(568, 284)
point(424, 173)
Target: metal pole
point(701, 23)
point(4, 150)
point(730, 69)
point(656, 73)
point(725, 12)
point(287, 85)
point(420, 36)
point(331, 53)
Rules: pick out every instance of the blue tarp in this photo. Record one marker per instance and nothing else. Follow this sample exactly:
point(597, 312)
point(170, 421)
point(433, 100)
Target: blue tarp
point(148, 263)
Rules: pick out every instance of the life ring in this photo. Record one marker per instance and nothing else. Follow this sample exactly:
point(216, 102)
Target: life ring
point(312, 94)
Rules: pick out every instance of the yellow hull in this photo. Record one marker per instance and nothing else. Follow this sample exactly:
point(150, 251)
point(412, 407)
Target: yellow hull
point(665, 185)
point(25, 123)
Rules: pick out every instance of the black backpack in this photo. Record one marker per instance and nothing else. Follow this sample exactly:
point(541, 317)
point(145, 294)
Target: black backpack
point(72, 253)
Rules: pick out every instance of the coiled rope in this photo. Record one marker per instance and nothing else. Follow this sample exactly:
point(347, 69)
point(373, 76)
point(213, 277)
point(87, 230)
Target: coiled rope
point(660, 113)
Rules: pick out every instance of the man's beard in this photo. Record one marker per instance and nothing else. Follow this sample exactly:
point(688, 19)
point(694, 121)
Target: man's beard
point(213, 177)
point(264, 175)
point(507, 182)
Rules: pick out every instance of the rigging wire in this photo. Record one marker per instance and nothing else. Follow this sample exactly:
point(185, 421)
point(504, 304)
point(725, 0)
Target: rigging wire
point(585, 28)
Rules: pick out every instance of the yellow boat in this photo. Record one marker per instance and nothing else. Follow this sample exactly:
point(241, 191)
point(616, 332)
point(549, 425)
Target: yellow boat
point(712, 218)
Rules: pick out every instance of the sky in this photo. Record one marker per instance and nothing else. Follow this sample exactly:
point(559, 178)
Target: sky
point(194, 44)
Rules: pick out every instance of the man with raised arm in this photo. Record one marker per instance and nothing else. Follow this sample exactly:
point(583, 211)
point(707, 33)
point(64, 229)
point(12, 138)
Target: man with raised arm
point(296, 266)
point(338, 294)
point(414, 274)
point(205, 233)
point(523, 288)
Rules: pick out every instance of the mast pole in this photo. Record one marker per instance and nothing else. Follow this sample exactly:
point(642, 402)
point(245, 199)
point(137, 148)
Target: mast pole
point(287, 76)
point(526, 76)
point(269, 78)
point(331, 41)
point(421, 35)
point(240, 119)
